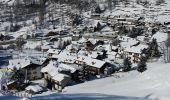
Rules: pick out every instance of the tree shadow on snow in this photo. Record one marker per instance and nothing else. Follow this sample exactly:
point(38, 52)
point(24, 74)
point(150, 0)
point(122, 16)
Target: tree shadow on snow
point(87, 96)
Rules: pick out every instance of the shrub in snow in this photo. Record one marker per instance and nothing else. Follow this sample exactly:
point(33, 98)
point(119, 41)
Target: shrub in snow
point(127, 65)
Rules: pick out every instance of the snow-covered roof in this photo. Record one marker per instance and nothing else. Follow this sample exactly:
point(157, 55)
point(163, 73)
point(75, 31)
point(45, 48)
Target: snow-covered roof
point(32, 44)
point(22, 63)
point(11, 82)
point(129, 42)
point(72, 46)
point(124, 38)
point(71, 58)
point(37, 61)
point(18, 63)
point(106, 47)
point(60, 77)
point(94, 54)
point(51, 68)
point(106, 29)
point(141, 38)
point(87, 14)
point(83, 52)
point(65, 56)
point(65, 67)
point(112, 53)
point(93, 41)
point(34, 88)
point(136, 49)
point(54, 51)
point(91, 62)
point(46, 47)
point(82, 40)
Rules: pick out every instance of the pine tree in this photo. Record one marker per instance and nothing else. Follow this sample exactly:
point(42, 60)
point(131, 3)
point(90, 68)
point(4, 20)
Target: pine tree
point(98, 10)
point(19, 77)
point(142, 64)
point(95, 29)
point(98, 26)
point(109, 4)
point(77, 20)
point(19, 43)
point(158, 2)
point(127, 65)
point(153, 49)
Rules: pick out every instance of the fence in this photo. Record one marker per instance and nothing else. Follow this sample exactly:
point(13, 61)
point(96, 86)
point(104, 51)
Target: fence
point(17, 94)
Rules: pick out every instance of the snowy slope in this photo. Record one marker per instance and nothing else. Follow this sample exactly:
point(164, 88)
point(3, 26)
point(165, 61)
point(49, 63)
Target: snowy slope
point(153, 84)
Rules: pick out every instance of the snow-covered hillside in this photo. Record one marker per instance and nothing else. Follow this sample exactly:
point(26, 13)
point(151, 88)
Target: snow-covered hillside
point(154, 84)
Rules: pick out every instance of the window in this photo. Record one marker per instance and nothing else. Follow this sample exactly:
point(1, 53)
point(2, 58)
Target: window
point(93, 63)
point(130, 53)
point(137, 54)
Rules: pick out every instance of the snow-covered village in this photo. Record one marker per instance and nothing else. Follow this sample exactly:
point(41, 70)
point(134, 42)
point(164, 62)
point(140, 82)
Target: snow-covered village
point(84, 49)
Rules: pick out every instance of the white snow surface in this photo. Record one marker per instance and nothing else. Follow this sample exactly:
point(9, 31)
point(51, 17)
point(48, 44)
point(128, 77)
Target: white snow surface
point(152, 84)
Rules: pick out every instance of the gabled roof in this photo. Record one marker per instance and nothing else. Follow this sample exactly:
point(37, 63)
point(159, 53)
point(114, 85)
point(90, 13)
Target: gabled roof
point(95, 54)
point(60, 77)
point(136, 49)
point(51, 68)
point(18, 63)
point(82, 40)
point(129, 42)
point(65, 56)
point(22, 63)
point(71, 58)
point(91, 62)
point(93, 41)
point(65, 67)
point(54, 51)
point(107, 29)
point(106, 47)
